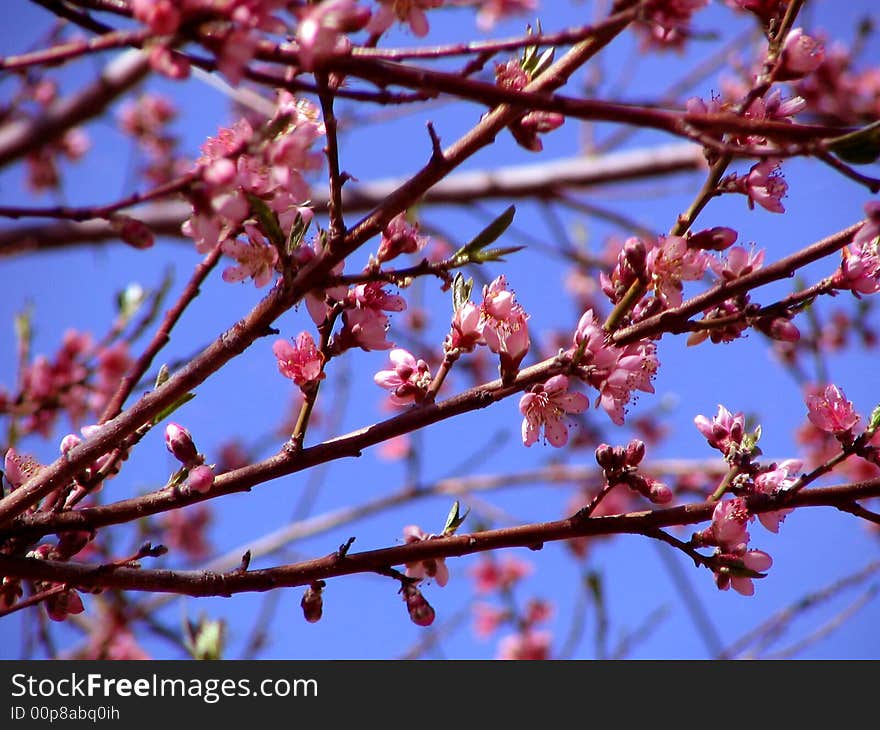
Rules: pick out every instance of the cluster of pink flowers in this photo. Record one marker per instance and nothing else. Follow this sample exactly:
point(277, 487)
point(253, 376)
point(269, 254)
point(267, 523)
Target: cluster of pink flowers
point(504, 325)
point(724, 431)
point(146, 121)
point(616, 372)
point(78, 380)
point(237, 164)
point(233, 41)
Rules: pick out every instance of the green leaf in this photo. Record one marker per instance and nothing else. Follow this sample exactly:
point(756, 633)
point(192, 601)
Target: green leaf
point(23, 327)
point(461, 291)
point(205, 640)
point(495, 254)
point(164, 413)
point(268, 221)
point(130, 300)
point(874, 420)
point(162, 376)
point(454, 519)
point(297, 232)
point(861, 147)
point(488, 235)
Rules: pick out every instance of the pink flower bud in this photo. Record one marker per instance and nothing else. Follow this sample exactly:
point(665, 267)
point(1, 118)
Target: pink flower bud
point(180, 443)
point(801, 55)
point(200, 479)
point(718, 238)
point(660, 493)
point(606, 458)
point(635, 452)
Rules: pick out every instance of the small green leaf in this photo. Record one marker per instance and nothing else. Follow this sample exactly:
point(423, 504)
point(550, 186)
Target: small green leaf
point(205, 640)
point(164, 413)
point(268, 221)
point(874, 420)
point(297, 232)
point(488, 235)
point(23, 327)
point(454, 519)
point(461, 291)
point(495, 254)
point(162, 376)
point(861, 147)
point(130, 300)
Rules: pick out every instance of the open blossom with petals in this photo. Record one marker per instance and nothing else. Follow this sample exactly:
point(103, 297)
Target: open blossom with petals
point(257, 258)
point(772, 482)
point(161, 15)
point(504, 325)
point(672, 261)
point(723, 430)
point(411, 12)
point(545, 406)
point(398, 237)
point(860, 268)
point(738, 262)
point(18, 468)
point(301, 362)
point(433, 568)
point(373, 296)
point(728, 529)
point(727, 577)
point(831, 411)
point(321, 29)
point(765, 186)
point(801, 54)
point(408, 380)
point(364, 328)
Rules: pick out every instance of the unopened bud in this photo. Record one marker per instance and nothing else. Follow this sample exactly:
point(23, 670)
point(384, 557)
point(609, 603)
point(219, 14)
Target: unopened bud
point(635, 452)
point(660, 493)
point(180, 443)
point(781, 329)
point(420, 611)
point(200, 479)
point(718, 238)
point(605, 457)
point(636, 254)
point(313, 602)
point(134, 232)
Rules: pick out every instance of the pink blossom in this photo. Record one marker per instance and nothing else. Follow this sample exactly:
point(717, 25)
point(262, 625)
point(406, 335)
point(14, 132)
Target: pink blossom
point(432, 568)
point(487, 619)
point(169, 63)
point(408, 380)
point(801, 55)
point(161, 15)
point(364, 328)
point(671, 261)
point(301, 362)
point(666, 23)
point(728, 529)
point(491, 11)
point(18, 468)
point(186, 530)
point(860, 268)
point(257, 258)
point(727, 577)
point(831, 411)
point(504, 325)
point(738, 262)
point(491, 574)
point(64, 604)
point(373, 296)
point(321, 29)
point(465, 333)
point(765, 186)
point(773, 482)
point(724, 430)
point(405, 11)
point(399, 237)
point(511, 75)
point(546, 406)
point(528, 645)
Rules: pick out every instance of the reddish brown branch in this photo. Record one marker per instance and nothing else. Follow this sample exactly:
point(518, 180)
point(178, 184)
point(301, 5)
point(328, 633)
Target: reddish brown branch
point(534, 536)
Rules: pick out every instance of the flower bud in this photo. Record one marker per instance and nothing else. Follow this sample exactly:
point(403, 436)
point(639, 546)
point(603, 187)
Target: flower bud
point(200, 479)
point(605, 457)
point(660, 493)
point(718, 238)
point(313, 602)
point(420, 611)
point(635, 452)
point(180, 443)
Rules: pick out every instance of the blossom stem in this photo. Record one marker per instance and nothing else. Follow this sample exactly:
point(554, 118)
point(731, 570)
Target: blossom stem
point(448, 361)
point(734, 472)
